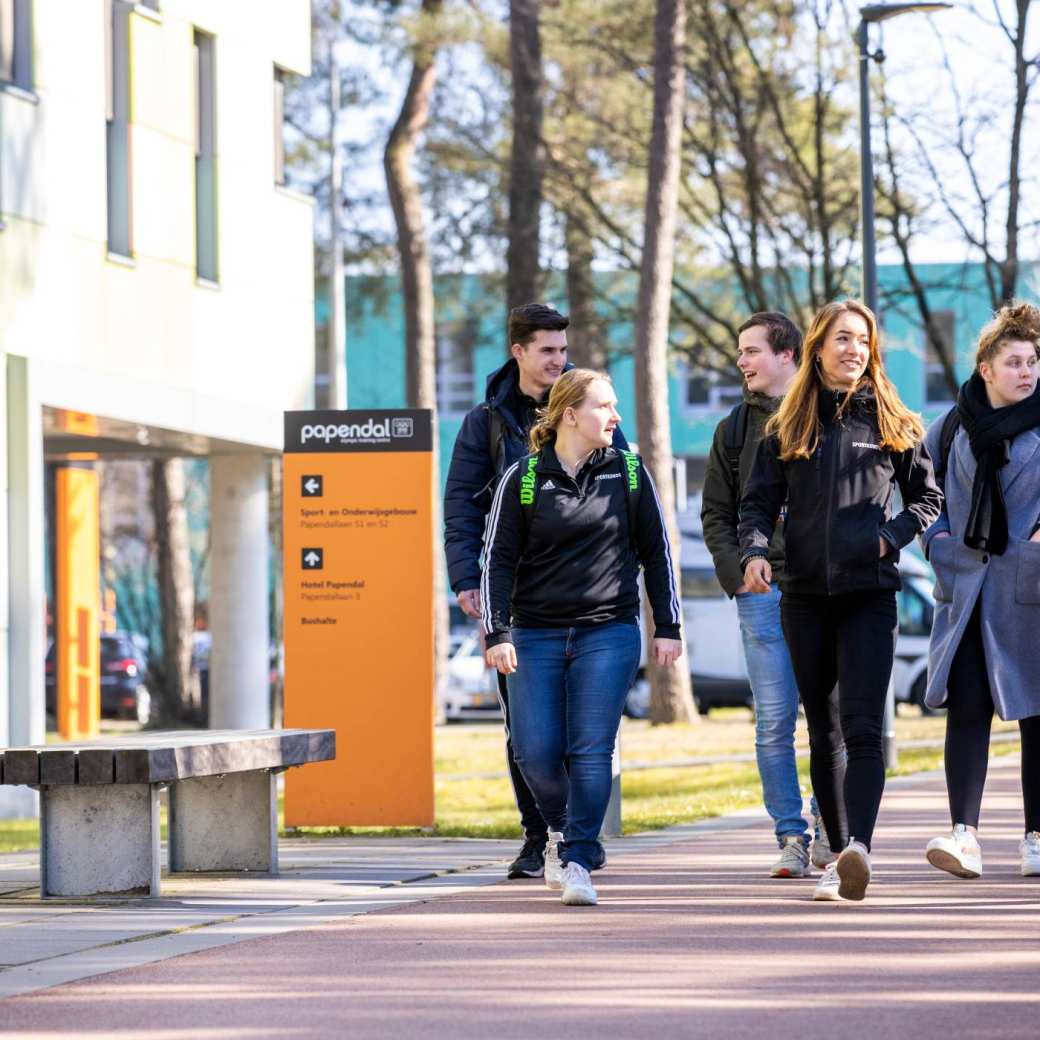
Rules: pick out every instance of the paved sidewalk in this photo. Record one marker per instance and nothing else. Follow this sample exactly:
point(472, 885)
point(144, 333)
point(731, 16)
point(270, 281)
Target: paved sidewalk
point(690, 939)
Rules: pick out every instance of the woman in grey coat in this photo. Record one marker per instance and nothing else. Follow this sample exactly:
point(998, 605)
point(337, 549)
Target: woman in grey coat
point(985, 550)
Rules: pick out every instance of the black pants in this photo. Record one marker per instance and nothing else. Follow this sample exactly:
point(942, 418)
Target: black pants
point(849, 640)
point(530, 818)
point(969, 705)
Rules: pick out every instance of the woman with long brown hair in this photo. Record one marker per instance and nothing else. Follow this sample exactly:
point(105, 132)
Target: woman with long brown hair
point(570, 526)
point(834, 453)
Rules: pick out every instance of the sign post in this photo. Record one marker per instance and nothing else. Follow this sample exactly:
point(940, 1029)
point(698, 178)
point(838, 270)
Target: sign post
point(359, 652)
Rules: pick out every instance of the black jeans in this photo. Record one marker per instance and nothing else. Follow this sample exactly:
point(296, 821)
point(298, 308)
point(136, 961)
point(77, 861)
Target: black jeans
point(969, 703)
point(535, 828)
point(850, 640)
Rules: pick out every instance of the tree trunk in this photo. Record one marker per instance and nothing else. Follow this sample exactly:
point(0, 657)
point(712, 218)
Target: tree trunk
point(527, 159)
point(417, 283)
point(671, 698)
point(176, 591)
point(586, 340)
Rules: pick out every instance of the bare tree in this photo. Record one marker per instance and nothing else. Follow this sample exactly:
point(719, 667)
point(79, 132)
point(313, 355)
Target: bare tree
point(527, 156)
point(959, 158)
point(671, 699)
point(416, 269)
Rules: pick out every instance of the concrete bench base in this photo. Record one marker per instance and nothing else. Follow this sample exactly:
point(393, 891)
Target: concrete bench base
point(229, 822)
point(99, 840)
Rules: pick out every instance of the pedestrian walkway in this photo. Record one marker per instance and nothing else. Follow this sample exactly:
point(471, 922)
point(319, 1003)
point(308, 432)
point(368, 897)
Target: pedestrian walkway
point(690, 939)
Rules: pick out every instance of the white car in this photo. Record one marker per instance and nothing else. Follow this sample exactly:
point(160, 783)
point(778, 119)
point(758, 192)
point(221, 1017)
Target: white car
point(716, 652)
point(469, 689)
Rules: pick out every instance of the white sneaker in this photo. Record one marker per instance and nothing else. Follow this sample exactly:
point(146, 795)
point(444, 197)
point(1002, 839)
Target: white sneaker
point(820, 854)
point(794, 858)
point(1030, 849)
point(959, 854)
point(577, 886)
point(826, 890)
point(553, 866)
point(853, 866)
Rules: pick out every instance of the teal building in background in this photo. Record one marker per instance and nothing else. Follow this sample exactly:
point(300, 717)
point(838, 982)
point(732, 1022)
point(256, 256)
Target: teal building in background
point(471, 344)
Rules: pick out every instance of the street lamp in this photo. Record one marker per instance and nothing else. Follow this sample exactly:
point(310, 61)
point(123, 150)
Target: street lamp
point(869, 14)
point(876, 13)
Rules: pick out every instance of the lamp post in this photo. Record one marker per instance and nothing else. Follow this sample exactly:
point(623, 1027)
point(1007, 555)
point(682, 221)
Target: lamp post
point(868, 15)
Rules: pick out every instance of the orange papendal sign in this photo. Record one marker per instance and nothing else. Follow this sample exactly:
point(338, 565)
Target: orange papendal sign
point(359, 639)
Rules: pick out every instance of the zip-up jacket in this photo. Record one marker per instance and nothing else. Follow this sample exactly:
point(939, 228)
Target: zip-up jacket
point(720, 499)
point(839, 502)
point(568, 559)
point(506, 415)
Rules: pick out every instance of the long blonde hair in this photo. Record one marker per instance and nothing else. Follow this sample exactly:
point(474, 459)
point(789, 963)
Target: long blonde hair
point(569, 391)
point(796, 422)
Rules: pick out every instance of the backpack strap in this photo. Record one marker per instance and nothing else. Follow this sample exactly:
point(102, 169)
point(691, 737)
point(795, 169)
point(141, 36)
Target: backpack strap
point(734, 434)
point(631, 470)
point(951, 424)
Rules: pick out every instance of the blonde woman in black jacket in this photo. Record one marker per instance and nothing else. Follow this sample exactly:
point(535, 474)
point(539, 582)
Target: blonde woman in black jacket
point(835, 451)
point(569, 529)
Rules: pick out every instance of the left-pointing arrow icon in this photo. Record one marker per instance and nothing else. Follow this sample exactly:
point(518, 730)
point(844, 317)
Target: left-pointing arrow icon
point(311, 485)
point(313, 559)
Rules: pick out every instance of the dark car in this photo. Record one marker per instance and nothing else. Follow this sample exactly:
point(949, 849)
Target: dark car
point(124, 692)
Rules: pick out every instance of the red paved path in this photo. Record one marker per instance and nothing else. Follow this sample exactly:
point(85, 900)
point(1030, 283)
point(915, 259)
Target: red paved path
point(689, 940)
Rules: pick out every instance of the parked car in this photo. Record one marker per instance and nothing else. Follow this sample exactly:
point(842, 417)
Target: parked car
point(718, 667)
point(124, 667)
point(469, 690)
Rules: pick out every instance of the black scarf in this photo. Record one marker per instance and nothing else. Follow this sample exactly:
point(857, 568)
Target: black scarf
point(990, 431)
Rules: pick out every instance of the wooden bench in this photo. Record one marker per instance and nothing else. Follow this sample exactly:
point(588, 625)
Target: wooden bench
point(99, 803)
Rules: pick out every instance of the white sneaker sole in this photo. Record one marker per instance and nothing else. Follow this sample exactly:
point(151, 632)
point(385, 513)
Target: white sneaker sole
point(942, 859)
point(854, 875)
point(827, 895)
point(579, 897)
point(1031, 870)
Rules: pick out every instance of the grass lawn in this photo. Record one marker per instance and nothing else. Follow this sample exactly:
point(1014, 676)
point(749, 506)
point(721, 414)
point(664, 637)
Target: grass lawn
point(472, 803)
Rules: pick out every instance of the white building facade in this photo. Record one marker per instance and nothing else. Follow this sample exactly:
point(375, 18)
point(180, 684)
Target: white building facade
point(156, 292)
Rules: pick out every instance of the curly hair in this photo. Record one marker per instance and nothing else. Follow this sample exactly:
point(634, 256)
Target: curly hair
point(1014, 321)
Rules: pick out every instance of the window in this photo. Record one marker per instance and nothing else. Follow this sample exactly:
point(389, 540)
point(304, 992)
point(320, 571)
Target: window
point(117, 126)
point(205, 158)
point(936, 389)
point(455, 378)
point(279, 126)
point(16, 43)
point(711, 390)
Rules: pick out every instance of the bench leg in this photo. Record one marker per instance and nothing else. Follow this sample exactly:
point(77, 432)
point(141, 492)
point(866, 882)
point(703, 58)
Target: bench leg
point(96, 840)
point(224, 823)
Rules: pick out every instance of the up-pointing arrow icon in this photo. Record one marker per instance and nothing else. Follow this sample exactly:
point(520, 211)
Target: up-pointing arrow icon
point(313, 559)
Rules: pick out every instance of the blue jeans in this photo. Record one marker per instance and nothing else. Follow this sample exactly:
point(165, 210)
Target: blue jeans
point(776, 709)
point(565, 701)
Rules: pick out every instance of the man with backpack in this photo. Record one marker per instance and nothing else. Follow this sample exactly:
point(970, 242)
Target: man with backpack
point(768, 352)
point(493, 436)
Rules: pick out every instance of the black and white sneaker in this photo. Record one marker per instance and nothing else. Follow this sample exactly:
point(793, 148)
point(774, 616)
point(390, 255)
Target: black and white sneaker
point(530, 862)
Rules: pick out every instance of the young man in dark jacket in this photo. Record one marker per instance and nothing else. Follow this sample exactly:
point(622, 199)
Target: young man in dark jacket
point(768, 350)
point(494, 436)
